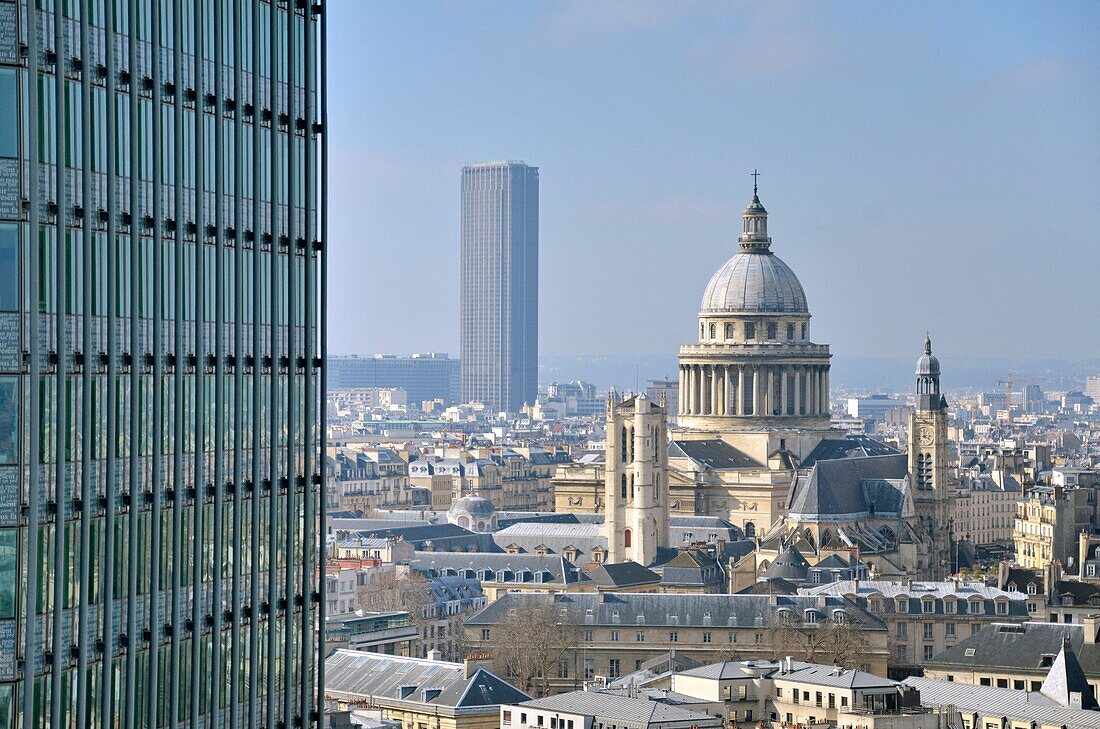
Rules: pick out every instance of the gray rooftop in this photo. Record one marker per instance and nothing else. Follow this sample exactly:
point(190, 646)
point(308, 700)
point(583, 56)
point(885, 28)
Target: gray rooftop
point(1003, 702)
point(618, 709)
point(396, 679)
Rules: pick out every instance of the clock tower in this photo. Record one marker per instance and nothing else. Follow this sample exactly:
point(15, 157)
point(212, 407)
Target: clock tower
point(932, 494)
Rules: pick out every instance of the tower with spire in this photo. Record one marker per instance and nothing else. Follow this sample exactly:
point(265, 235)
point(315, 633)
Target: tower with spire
point(928, 463)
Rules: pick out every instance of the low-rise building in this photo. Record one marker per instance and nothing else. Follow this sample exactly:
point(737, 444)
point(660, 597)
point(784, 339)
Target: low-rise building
point(618, 632)
point(390, 633)
point(927, 618)
point(1020, 656)
point(989, 707)
point(597, 709)
point(416, 692)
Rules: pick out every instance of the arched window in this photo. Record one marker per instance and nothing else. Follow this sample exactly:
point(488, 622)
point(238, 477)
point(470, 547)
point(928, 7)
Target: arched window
point(790, 331)
point(771, 330)
point(803, 330)
point(626, 538)
point(887, 534)
point(713, 335)
point(750, 529)
point(729, 331)
point(809, 537)
point(622, 444)
point(750, 331)
point(622, 487)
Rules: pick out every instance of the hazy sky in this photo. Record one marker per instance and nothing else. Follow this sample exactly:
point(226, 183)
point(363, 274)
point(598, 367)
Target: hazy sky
point(925, 165)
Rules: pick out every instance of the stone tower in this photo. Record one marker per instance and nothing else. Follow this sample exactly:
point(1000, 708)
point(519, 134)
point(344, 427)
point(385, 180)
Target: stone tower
point(932, 494)
point(636, 479)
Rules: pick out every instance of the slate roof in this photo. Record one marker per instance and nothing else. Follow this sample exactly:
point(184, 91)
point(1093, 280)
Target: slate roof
point(684, 530)
point(537, 566)
point(722, 671)
point(834, 676)
point(854, 446)
point(1018, 705)
point(441, 537)
point(618, 709)
point(851, 488)
point(624, 574)
point(556, 538)
point(770, 586)
point(692, 568)
point(1066, 678)
point(788, 565)
point(390, 680)
point(712, 454)
point(672, 609)
point(1020, 647)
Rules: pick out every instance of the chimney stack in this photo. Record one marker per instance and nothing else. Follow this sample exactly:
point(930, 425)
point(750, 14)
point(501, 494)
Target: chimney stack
point(1092, 623)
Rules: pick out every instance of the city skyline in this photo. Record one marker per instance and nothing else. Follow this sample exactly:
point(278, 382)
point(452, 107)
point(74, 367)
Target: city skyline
point(925, 148)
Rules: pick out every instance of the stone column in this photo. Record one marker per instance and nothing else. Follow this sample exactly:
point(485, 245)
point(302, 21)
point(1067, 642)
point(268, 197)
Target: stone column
point(755, 390)
point(771, 391)
point(740, 390)
point(691, 389)
point(727, 392)
point(681, 388)
point(811, 404)
point(783, 390)
point(797, 390)
point(714, 390)
point(826, 389)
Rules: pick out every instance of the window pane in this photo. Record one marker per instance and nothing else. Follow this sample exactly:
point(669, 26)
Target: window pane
point(9, 423)
point(9, 267)
point(9, 113)
point(8, 574)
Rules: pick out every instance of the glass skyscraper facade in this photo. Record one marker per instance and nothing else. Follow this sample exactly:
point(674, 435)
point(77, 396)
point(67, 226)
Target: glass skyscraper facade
point(500, 284)
point(161, 332)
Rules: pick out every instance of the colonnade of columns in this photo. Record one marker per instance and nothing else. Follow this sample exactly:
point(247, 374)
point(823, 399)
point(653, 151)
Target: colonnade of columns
point(714, 389)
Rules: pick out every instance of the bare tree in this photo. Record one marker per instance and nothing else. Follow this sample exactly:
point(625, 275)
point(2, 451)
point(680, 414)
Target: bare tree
point(399, 591)
point(830, 642)
point(530, 644)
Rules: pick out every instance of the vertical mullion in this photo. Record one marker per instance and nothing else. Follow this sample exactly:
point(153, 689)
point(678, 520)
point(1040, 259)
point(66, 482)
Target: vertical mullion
point(309, 524)
point(30, 635)
point(322, 430)
point(61, 323)
point(87, 490)
point(273, 345)
point(216, 667)
point(153, 708)
point(180, 369)
point(133, 632)
point(291, 376)
point(238, 379)
point(257, 491)
point(198, 676)
point(107, 687)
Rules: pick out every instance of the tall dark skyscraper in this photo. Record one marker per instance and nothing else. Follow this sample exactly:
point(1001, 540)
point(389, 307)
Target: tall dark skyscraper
point(500, 284)
point(161, 332)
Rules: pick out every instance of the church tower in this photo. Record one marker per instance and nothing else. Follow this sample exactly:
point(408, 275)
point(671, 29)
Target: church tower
point(636, 479)
point(932, 494)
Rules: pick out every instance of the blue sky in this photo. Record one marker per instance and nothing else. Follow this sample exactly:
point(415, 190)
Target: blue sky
point(926, 166)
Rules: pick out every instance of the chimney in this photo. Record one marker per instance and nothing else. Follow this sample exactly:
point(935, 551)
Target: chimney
point(787, 668)
point(1092, 623)
point(434, 655)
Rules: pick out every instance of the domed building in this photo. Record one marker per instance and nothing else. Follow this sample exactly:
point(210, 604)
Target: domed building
point(754, 388)
point(473, 512)
point(754, 364)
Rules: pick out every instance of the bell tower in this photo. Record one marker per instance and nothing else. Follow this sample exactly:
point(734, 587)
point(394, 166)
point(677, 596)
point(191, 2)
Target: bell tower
point(928, 462)
point(635, 479)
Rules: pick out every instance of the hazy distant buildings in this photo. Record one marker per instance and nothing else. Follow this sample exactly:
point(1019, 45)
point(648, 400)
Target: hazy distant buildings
point(1092, 387)
point(499, 298)
point(423, 376)
point(874, 407)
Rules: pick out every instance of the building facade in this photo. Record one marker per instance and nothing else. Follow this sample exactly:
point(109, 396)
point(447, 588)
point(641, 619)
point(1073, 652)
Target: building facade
point(423, 376)
point(500, 284)
point(160, 280)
